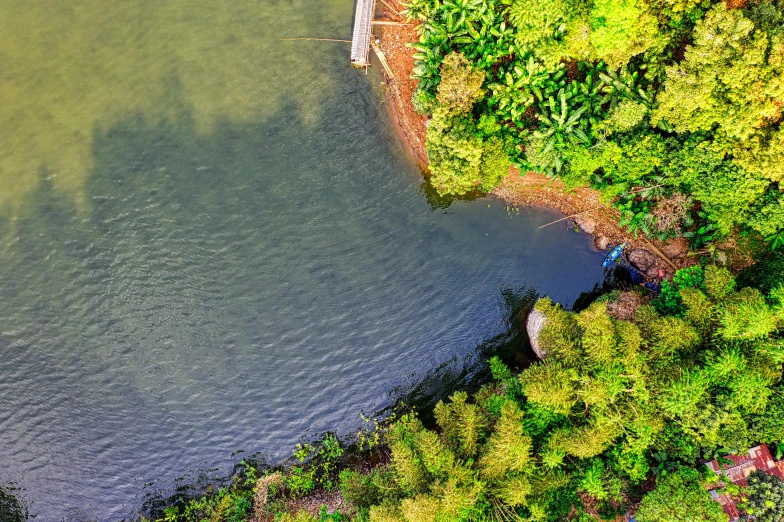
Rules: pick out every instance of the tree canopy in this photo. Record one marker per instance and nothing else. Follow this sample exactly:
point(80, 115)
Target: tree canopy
point(671, 108)
point(694, 376)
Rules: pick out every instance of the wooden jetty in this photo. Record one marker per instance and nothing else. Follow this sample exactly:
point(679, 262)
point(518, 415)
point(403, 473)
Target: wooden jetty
point(363, 25)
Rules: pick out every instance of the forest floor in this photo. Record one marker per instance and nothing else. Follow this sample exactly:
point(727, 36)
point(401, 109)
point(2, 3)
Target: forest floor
point(530, 188)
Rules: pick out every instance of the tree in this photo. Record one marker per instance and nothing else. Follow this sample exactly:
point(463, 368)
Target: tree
point(461, 159)
point(731, 78)
point(461, 84)
point(764, 498)
point(598, 338)
point(462, 422)
point(542, 26)
point(560, 333)
point(621, 29)
point(508, 451)
point(679, 497)
point(550, 384)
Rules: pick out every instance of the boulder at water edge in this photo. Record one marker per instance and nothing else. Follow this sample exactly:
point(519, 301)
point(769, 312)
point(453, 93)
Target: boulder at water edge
point(534, 324)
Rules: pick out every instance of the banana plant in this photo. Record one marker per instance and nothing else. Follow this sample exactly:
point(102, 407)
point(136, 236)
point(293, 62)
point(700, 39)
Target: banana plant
point(630, 85)
point(468, 26)
point(589, 93)
point(428, 60)
point(420, 9)
point(522, 86)
point(560, 126)
point(625, 84)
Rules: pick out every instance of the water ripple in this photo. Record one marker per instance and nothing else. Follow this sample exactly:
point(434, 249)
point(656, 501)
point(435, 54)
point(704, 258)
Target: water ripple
point(239, 288)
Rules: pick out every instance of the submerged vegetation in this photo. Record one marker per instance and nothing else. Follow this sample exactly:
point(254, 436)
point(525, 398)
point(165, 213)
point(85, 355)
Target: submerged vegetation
point(615, 407)
point(670, 108)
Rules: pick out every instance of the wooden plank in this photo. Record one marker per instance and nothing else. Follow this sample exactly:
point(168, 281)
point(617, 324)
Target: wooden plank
point(382, 59)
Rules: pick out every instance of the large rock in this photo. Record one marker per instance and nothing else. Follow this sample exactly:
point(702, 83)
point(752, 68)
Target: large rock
point(601, 242)
point(588, 225)
point(534, 324)
point(642, 259)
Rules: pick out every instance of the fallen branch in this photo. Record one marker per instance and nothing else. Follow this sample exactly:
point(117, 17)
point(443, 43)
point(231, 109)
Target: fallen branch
point(568, 217)
point(319, 39)
point(384, 22)
point(660, 254)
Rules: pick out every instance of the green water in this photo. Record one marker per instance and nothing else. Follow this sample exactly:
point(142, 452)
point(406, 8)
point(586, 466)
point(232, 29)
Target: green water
point(71, 69)
point(213, 242)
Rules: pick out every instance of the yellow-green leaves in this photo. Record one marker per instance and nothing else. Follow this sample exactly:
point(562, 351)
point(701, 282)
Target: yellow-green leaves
point(462, 422)
point(598, 334)
point(509, 449)
point(728, 78)
point(461, 84)
point(746, 316)
point(550, 384)
point(560, 333)
point(622, 29)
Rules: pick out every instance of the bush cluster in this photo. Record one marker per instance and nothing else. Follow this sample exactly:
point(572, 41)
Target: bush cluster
point(671, 108)
point(573, 437)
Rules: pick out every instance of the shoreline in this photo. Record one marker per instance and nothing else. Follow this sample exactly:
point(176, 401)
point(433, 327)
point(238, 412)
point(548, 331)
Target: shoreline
point(581, 206)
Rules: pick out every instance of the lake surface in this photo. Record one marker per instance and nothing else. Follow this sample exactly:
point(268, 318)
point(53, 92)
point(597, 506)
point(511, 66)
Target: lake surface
point(212, 241)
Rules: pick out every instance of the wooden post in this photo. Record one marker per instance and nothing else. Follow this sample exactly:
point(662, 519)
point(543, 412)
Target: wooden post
point(660, 254)
point(381, 58)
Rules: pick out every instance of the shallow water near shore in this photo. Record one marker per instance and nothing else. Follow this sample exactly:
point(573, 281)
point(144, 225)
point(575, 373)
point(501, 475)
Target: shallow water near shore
point(213, 242)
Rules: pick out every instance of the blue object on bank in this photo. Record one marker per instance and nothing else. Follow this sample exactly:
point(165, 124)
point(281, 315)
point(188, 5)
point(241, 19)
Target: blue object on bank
point(614, 254)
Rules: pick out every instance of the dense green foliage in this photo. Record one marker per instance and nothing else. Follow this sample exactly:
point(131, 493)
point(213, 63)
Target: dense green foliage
point(672, 108)
point(764, 498)
point(766, 274)
point(613, 403)
point(679, 497)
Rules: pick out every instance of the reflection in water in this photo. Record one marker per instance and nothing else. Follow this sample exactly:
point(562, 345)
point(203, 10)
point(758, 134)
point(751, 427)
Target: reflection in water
point(11, 509)
point(229, 280)
point(468, 372)
point(71, 67)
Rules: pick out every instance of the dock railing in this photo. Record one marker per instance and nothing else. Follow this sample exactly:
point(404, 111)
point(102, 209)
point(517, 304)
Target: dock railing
point(363, 25)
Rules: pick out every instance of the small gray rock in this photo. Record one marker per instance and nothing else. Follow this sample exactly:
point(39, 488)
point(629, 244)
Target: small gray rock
point(601, 242)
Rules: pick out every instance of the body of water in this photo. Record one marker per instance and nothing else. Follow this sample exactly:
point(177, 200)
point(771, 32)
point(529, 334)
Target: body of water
point(212, 241)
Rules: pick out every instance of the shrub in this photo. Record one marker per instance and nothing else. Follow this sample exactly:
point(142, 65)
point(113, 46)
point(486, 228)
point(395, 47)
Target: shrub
point(669, 300)
point(357, 488)
point(461, 84)
point(764, 498)
point(680, 497)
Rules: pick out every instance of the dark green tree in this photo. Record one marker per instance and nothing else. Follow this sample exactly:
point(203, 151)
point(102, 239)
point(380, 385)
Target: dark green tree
point(680, 497)
point(764, 498)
